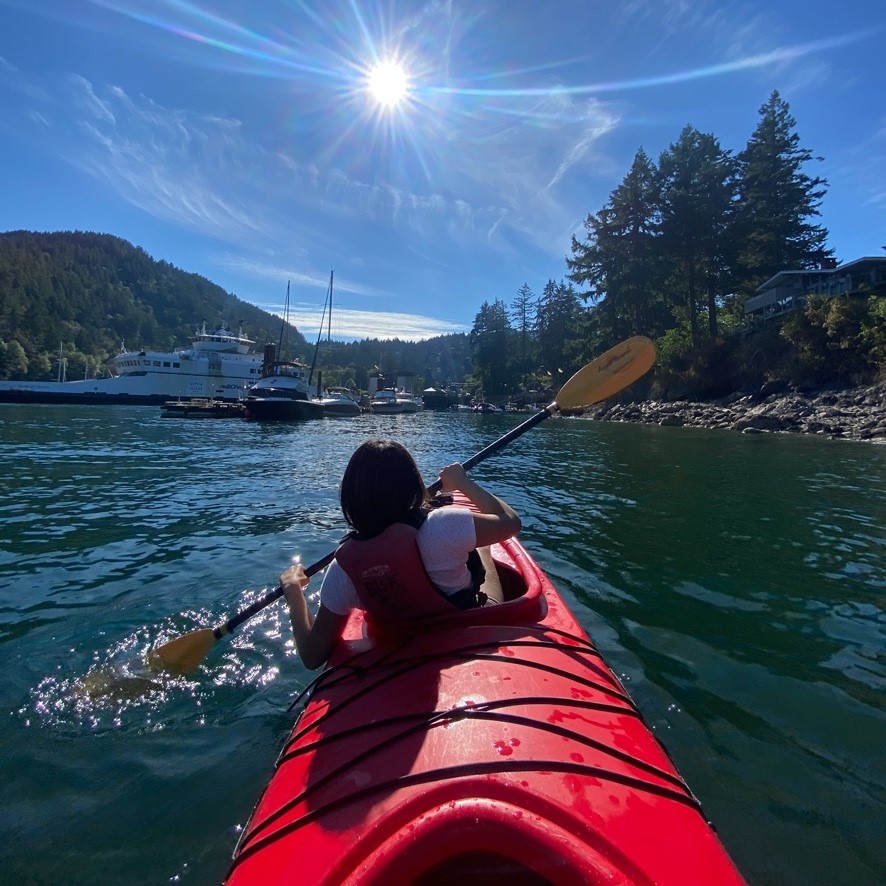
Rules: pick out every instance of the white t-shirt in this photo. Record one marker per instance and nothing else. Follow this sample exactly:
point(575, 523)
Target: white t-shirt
point(444, 541)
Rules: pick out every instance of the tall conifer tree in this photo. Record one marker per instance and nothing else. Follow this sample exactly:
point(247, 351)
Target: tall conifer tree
point(777, 200)
point(697, 181)
point(618, 260)
point(489, 342)
point(559, 328)
point(523, 317)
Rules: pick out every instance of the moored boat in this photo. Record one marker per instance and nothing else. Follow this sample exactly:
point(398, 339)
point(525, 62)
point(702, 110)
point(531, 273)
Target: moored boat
point(337, 402)
point(436, 399)
point(220, 365)
point(282, 394)
point(494, 747)
point(340, 403)
point(202, 408)
point(390, 401)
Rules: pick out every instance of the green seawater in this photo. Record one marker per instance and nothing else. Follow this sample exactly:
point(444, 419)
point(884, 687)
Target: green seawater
point(735, 583)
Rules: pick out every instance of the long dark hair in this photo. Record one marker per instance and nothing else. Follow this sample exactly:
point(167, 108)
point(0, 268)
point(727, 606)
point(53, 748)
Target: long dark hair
point(382, 485)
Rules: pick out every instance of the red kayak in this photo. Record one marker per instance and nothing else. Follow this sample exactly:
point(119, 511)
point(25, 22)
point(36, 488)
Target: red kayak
point(496, 747)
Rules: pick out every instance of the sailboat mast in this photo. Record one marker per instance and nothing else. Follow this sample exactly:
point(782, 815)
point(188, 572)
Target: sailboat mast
point(62, 363)
point(326, 303)
point(329, 321)
point(283, 324)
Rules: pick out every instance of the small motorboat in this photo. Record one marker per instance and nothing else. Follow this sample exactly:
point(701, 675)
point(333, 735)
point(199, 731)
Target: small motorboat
point(282, 394)
point(436, 399)
point(340, 402)
point(390, 401)
point(493, 747)
point(201, 407)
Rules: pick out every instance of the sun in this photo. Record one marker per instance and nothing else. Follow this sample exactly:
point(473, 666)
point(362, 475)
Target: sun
point(388, 84)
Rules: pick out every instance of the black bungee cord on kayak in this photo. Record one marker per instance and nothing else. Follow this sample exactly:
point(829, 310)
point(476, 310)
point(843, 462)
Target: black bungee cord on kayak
point(421, 723)
point(675, 787)
point(344, 670)
point(489, 710)
point(249, 846)
point(469, 652)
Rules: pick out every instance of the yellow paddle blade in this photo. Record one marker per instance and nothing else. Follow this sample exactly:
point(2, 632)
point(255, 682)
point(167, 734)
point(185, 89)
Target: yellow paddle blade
point(610, 373)
point(183, 654)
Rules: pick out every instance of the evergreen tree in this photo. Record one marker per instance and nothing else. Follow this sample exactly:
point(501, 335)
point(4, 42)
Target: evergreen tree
point(559, 329)
point(13, 360)
point(619, 262)
point(523, 317)
point(777, 200)
point(489, 341)
point(697, 185)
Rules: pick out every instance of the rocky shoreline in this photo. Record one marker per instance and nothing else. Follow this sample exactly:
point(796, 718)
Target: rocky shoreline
point(849, 414)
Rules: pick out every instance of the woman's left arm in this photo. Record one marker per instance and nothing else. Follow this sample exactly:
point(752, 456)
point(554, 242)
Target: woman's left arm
point(315, 637)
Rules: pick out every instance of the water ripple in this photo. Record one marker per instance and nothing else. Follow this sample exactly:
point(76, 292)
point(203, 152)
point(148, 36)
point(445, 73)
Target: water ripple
point(736, 585)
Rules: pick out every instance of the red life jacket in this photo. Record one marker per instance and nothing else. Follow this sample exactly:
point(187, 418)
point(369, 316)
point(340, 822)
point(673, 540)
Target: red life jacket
point(390, 577)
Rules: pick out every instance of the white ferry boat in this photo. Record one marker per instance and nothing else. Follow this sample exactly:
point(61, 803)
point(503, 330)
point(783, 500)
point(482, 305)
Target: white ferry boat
point(219, 365)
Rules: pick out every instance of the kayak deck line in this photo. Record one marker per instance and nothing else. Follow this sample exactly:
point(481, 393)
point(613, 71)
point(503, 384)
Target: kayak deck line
point(464, 654)
point(496, 747)
point(484, 711)
point(442, 718)
point(449, 716)
point(250, 847)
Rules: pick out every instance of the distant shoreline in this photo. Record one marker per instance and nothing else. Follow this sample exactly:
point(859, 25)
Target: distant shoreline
point(847, 414)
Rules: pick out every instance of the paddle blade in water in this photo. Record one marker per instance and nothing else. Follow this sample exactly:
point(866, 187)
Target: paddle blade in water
point(183, 654)
point(610, 373)
point(117, 684)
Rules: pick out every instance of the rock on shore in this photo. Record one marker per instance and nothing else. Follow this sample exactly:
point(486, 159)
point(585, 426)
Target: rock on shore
point(851, 414)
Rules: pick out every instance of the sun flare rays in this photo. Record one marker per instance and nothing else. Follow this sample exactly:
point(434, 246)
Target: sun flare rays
point(388, 84)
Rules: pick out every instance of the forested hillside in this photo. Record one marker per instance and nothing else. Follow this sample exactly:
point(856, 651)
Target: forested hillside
point(89, 292)
point(440, 361)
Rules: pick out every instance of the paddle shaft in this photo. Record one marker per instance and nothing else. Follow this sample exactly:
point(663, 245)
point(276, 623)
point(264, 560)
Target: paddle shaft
point(245, 614)
point(503, 441)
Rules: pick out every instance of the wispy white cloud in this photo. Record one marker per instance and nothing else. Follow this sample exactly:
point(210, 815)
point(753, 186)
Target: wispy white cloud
point(167, 163)
point(16, 84)
point(85, 100)
point(352, 325)
point(515, 163)
point(742, 37)
point(276, 273)
point(864, 166)
point(347, 323)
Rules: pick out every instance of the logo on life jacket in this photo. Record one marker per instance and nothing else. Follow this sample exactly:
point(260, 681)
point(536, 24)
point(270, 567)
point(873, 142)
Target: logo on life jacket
point(381, 585)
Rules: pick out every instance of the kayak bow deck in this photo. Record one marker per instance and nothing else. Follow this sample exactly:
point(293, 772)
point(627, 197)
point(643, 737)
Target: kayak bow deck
point(496, 747)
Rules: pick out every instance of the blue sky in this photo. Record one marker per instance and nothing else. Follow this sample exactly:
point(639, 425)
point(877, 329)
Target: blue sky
point(238, 139)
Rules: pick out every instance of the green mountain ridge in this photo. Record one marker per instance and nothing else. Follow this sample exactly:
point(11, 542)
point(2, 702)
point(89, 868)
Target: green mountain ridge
point(89, 292)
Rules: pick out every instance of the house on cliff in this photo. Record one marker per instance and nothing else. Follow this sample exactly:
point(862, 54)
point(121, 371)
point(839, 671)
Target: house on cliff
point(788, 289)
